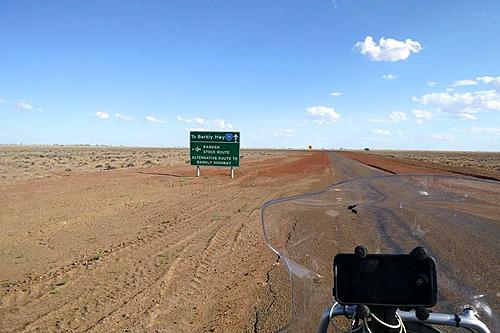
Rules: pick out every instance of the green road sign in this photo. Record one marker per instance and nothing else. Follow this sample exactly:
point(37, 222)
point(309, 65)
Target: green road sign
point(215, 148)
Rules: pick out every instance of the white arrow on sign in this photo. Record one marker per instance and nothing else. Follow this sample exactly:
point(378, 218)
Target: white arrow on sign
point(197, 149)
point(236, 137)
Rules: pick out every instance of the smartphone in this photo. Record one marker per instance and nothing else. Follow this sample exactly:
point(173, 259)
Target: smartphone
point(398, 280)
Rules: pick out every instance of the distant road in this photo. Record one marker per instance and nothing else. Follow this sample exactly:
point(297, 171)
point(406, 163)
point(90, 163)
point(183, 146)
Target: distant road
point(347, 168)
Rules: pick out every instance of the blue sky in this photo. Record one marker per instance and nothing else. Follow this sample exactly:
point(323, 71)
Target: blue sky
point(353, 74)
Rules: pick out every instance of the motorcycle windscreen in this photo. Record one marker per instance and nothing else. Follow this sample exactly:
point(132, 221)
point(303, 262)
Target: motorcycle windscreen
point(456, 219)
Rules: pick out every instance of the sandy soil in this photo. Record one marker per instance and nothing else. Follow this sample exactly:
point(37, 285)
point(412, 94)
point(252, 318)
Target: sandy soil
point(143, 249)
point(148, 248)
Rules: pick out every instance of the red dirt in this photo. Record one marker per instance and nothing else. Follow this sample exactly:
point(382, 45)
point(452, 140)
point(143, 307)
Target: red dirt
point(315, 163)
point(293, 164)
point(143, 249)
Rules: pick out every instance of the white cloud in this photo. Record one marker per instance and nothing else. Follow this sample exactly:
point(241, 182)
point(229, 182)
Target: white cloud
point(196, 120)
point(216, 123)
point(155, 120)
point(184, 120)
point(124, 117)
point(288, 132)
point(422, 115)
point(222, 124)
point(102, 114)
point(463, 83)
point(377, 120)
point(493, 104)
point(485, 130)
point(2, 100)
point(381, 132)
point(323, 115)
point(39, 109)
point(387, 49)
point(397, 116)
point(196, 129)
point(336, 93)
point(440, 137)
point(390, 76)
point(431, 83)
point(466, 116)
point(450, 89)
point(467, 102)
point(24, 106)
point(488, 79)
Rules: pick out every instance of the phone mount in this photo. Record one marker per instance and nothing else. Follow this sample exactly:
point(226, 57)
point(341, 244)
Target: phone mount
point(419, 252)
point(388, 314)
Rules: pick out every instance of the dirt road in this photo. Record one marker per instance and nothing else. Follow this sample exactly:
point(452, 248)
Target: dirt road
point(151, 250)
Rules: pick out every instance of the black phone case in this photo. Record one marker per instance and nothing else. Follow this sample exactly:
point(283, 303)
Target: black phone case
point(421, 269)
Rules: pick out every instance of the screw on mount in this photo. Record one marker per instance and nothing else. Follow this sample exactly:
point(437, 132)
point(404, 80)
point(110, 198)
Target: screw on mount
point(361, 252)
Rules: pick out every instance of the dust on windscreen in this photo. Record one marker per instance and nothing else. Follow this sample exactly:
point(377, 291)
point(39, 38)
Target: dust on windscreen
point(455, 219)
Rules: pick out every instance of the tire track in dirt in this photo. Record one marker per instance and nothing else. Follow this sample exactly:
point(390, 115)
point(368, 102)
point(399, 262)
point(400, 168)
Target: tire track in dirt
point(217, 247)
point(193, 265)
point(159, 233)
point(163, 279)
point(179, 233)
point(213, 248)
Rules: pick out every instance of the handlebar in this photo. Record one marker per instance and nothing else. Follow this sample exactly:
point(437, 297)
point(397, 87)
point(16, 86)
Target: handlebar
point(467, 320)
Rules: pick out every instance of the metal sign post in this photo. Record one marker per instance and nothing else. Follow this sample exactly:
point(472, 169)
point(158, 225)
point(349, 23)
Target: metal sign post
point(215, 149)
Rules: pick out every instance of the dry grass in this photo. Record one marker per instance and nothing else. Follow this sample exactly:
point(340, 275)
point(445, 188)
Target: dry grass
point(483, 161)
point(25, 162)
point(20, 162)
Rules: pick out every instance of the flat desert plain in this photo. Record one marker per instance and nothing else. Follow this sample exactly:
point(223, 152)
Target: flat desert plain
point(117, 239)
point(106, 239)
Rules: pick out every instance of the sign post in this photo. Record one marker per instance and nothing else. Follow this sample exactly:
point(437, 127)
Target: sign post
point(215, 149)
